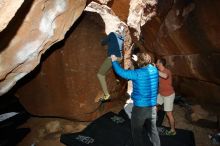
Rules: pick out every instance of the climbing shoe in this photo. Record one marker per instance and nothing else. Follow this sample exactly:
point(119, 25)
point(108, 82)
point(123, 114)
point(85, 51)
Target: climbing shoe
point(170, 133)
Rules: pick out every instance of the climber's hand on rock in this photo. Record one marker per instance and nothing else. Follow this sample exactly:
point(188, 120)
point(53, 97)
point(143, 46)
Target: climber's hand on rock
point(114, 58)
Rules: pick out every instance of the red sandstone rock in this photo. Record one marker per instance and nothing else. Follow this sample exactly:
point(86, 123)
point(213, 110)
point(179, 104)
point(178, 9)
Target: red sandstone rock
point(8, 8)
point(66, 84)
point(43, 24)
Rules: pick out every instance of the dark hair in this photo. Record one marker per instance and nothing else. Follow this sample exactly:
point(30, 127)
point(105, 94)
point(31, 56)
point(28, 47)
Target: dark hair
point(143, 59)
point(162, 61)
point(135, 50)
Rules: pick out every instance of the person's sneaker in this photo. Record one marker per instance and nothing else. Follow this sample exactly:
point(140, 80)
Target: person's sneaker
point(170, 133)
point(162, 130)
point(105, 98)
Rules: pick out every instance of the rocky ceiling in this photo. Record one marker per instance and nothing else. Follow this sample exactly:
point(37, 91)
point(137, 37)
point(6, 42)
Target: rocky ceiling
point(8, 10)
point(64, 84)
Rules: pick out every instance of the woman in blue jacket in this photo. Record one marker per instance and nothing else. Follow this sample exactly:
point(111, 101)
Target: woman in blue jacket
point(144, 96)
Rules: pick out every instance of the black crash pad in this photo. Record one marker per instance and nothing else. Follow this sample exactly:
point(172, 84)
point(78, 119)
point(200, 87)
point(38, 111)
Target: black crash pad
point(114, 130)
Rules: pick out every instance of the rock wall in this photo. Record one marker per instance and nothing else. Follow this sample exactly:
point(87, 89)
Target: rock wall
point(37, 26)
point(66, 84)
point(8, 8)
point(186, 33)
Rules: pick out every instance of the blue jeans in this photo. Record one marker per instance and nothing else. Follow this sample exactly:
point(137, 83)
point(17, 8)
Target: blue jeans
point(139, 116)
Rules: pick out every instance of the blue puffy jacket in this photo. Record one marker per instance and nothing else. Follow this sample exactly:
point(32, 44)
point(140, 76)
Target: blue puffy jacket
point(114, 42)
point(145, 83)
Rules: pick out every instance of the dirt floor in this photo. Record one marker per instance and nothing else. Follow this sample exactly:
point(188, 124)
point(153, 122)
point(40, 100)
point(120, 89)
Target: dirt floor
point(200, 133)
point(47, 131)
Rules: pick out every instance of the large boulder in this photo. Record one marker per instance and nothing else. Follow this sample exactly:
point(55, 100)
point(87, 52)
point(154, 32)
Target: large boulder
point(66, 84)
point(186, 33)
point(8, 8)
point(37, 26)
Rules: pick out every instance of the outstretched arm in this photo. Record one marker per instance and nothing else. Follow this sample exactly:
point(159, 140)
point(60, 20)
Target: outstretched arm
point(126, 74)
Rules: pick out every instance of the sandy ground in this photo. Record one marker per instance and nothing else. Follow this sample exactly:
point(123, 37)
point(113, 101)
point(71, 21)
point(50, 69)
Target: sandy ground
point(43, 135)
point(40, 136)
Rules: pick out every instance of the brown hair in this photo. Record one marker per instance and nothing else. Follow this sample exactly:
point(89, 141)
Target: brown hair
point(162, 61)
point(143, 59)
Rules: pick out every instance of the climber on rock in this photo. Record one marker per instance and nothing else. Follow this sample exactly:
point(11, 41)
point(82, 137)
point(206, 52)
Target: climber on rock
point(114, 42)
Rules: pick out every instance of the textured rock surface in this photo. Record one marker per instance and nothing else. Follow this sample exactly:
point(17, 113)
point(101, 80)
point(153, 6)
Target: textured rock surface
point(205, 93)
point(111, 21)
point(202, 67)
point(66, 85)
point(8, 8)
point(186, 33)
point(138, 17)
point(104, 1)
point(34, 30)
